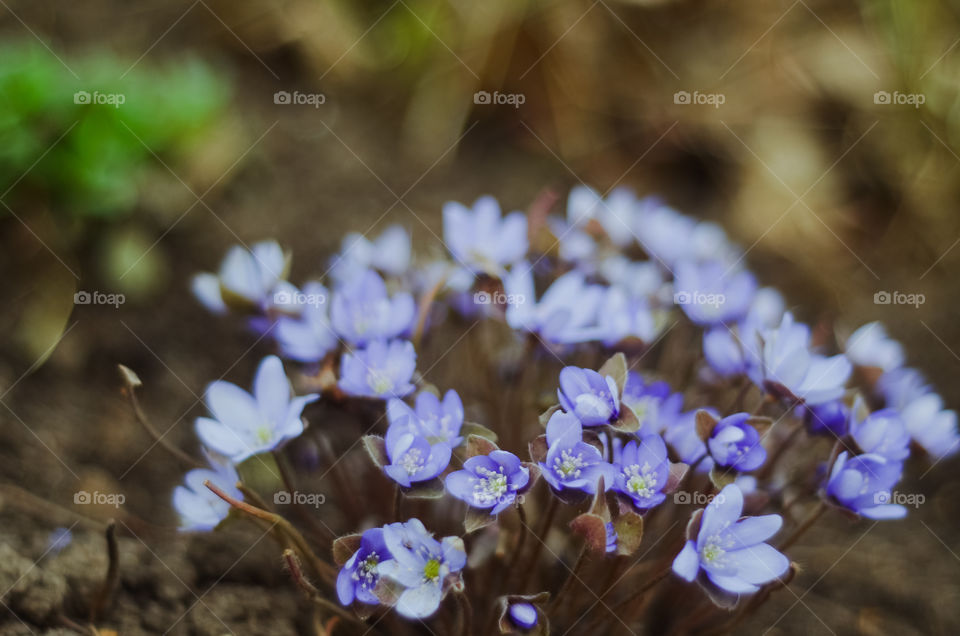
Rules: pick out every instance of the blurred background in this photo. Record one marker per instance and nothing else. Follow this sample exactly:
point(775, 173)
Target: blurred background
point(139, 140)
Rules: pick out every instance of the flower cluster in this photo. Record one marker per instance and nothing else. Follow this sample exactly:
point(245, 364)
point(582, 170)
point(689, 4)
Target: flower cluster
point(762, 407)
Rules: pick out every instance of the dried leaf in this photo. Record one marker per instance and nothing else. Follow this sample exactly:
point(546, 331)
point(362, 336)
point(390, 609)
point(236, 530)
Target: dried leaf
point(546, 415)
point(705, 424)
point(616, 367)
point(593, 529)
point(476, 519)
point(376, 448)
point(722, 477)
point(432, 489)
point(629, 528)
point(344, 547)
point(471, 428)
point(476, 445)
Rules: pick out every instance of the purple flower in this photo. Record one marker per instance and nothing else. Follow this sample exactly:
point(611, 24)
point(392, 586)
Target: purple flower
point(655, 406)
point(359, 575)
point(244, 424)
point(523, 615)
point(736, 444)
point(431, 418)
point(662, 232)
point(479, 239)
point(730, 349)
point(246, 276)
point(710, 294)
point(642, 471)
point(309, 336)
point(729, 553)
point(622, 316)
point(566, 313)
point(413, 458)
point(572, 463)
point(612, 538)
point(829, 418)
point(880, 433)
point(869, 346)
point(934, 428)
point(593, 398)
point(682, 436)
point(787, 368)
point(199, 508)
point(421, 564)
point(489, 481)
point(362, 311)
point(388, 253)
point(382, 370)
point(863, 485)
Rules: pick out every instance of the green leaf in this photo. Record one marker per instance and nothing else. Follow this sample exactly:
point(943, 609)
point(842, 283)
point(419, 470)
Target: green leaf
point(721, 478)
point(471, 428)
point(377, 450)
point(629, 528)
point(476, 445)
point(433, 489)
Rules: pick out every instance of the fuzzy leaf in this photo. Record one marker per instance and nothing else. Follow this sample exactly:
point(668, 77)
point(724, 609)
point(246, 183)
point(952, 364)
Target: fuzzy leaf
point(599, 506)
point(471, 428)
point(616, 367)
point(538, 448)
point(376, 448)
point(344, 547)
point(432, 489)
point(477, 445)
point(593, 530)
point(722, 477)
point(705, 424)
point(678, 471)
point(476, 519)
point(546, 415)
point(629, 527)
point(628, 422)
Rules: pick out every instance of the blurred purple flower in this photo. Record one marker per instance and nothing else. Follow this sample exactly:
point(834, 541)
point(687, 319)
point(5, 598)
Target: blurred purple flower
point(388, 253)
point(681, 435)
point(523, 615)
point(382, 370)
point(864, 484)
point(565, 314)
point(933, 428)
point(736, 444)
point(307, 337)
point(246, 276)
point(489, 481)
point(362, 311)
point(480, 239)
point(829, 418)
point(413, 458)
point(870, 346)
point(199, 508)
point(654, 404)
point(879, 433)
point(709, 293)
point(431, 418)
point(244, 424)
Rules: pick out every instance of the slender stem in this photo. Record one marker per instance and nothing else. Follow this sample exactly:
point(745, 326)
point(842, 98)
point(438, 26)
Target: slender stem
point(112, 578)
point(312, 593)
point(777, 454)
point(465, 620)
point(426, 301)
point(132, 382)
point(808, 522)
point(305, 516)
point(571, 577)
point(397, 502)
point(322, 568)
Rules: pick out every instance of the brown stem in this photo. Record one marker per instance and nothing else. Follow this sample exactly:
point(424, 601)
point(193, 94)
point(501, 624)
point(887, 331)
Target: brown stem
point(541, 535)
point(571, 577)
point(426, 301)
point(132, 382)
point(112, 578)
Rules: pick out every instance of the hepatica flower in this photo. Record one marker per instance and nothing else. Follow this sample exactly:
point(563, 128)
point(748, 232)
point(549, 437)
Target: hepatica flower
point(863, 484)
point(245, 424)
point(736, 444)
point(307, 337)
point(622, 316)
point(362, 311)
point(593, 398)
point(642, 470)
point(787, 368)
point(711, 294)
point(654, 404)
point(199, 508)
point(246, 277)
point(413, 458)
point(480, 239)
point(681, 435)
point(489, 481)
point(382, 370)
point(829, 418)
point(388, 253)
point(728, 552)
point(870, 346)
point(572, 463)
point(434, 419)
point(934, 428)
point(523, 615)
point(565, 314)
point(880, 433)
point(421, 565)
point(359, 575)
